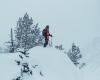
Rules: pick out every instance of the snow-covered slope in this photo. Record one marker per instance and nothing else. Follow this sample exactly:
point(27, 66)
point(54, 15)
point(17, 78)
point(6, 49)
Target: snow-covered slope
point(53, 64)
point(8, 68)
point(91, 55)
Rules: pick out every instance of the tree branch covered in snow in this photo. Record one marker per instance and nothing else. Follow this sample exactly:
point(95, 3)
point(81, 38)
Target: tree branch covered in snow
point(74, 54)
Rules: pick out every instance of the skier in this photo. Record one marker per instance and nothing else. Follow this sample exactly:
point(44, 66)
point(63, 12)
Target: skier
point(46, 35)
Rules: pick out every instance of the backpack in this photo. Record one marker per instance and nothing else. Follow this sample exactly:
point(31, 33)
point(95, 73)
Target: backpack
point(44, 32)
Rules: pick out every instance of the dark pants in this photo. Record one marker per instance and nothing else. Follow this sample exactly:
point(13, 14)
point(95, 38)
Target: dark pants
point(46, 42)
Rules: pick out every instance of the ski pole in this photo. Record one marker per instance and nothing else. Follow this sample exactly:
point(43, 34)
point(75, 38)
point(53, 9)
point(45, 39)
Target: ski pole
point(51, 42)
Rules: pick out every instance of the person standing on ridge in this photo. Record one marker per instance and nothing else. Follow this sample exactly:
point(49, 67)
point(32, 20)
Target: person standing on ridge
point(46, 35)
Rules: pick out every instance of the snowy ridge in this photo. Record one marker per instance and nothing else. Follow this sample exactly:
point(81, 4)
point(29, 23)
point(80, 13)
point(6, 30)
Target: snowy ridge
point(51, 63)
point(55, 63)
point(48, 64)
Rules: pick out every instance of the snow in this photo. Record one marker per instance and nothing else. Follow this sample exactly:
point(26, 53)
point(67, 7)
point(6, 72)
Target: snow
point(56, 64)
point(70, 21)
point(91, 55)
point(8, 68)
point(52, 63)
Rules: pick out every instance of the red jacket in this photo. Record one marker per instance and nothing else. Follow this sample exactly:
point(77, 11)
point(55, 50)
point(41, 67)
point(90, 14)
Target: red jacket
point(46, 33)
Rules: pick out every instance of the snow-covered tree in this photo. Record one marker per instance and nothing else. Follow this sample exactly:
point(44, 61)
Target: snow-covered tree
point(74, 54)
point(11, 46)
point(23, 31)
point(27, 35)
point(25, 65)
point(60, 47)
point(25, 68)
point(37, 37)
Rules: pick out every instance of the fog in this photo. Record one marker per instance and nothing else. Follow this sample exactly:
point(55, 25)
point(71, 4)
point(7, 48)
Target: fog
point(70, 20)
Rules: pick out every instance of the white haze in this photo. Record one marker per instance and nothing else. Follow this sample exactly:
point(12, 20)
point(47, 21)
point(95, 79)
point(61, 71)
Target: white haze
point(70, 20)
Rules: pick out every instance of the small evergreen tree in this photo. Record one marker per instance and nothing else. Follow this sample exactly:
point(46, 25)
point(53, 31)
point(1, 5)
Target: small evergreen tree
point(60, 47)
point(11, 44)
point(74, 54)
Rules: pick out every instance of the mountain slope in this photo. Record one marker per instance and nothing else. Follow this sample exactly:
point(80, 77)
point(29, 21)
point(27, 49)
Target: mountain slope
point(52, 63)
point(56, 64)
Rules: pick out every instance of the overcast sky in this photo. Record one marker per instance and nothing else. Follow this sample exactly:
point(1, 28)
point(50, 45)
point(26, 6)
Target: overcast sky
point(70, 20)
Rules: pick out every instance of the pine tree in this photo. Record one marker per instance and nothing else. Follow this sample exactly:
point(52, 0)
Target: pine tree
point(12, 41)
point(27, 36)
point(23, 32)
point(11, 45)
point(37, 37)
point(74, 54)
point(18, 33)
